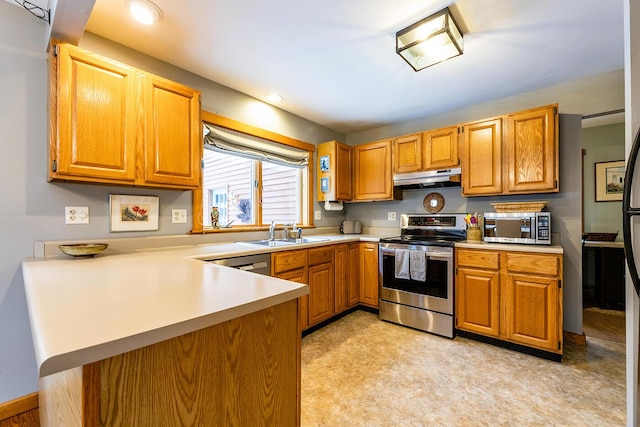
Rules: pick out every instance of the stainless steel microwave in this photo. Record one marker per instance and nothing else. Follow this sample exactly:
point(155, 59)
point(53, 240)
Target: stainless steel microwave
point(530, 228)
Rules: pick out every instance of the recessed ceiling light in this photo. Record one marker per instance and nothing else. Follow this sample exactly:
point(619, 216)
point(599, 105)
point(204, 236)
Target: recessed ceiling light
point(144, 11)
point(273, 97)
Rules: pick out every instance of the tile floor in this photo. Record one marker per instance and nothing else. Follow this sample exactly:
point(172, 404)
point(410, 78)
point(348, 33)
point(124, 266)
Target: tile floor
point(360, 371)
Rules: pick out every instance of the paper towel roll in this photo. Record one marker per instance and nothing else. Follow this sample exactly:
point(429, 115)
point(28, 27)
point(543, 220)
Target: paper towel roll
point(332, 206)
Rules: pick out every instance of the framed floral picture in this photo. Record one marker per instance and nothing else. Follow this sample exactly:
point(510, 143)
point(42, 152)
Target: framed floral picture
point(609, 177)
point(133, 213)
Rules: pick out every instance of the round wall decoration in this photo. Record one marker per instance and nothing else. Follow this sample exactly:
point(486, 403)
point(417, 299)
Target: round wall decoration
point(433, 202)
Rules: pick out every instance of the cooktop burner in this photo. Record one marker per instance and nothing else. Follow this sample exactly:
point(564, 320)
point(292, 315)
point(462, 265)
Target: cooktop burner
point(430, 229)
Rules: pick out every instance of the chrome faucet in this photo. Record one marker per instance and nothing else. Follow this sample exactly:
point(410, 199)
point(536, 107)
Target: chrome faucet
point(272, 230)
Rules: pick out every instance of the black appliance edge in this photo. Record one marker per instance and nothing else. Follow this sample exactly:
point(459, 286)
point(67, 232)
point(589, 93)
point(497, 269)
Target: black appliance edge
point(628, 212)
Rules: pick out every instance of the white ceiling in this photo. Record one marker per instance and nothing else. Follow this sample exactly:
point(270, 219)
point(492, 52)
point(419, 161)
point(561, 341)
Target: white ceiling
point(334, 61)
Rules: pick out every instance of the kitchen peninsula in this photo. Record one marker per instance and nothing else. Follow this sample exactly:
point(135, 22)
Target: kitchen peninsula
point(161, 338)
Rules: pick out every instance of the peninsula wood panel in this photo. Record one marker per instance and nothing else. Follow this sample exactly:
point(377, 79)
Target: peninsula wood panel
point(341, 278)
point(245, 371)
point(531, 151)
point(482, 158)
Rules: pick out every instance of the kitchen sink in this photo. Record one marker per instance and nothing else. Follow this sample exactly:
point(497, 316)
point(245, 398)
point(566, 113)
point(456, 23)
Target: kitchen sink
point(287, 242)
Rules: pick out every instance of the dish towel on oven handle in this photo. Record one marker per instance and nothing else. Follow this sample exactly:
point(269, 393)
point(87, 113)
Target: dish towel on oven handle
point(418, 266)
point(402, 264)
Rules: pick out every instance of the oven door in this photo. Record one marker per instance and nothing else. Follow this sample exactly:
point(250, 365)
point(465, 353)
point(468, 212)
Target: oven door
point(435, 293)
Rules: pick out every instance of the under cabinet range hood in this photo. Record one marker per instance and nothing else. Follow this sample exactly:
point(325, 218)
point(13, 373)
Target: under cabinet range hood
point(434, 178)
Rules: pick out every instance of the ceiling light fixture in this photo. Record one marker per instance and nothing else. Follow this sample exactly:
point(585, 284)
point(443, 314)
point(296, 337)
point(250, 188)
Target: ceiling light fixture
point(433, 39)
point(273, 97)
point(145, 11)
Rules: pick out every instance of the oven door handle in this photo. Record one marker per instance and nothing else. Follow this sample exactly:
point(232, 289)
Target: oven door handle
point(426, 253)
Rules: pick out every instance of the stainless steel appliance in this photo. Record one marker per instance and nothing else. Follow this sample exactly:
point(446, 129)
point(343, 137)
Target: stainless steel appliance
point(423, 300)
point(260, 264)
point(530, 228)
point(350, 227)
point(425, 179)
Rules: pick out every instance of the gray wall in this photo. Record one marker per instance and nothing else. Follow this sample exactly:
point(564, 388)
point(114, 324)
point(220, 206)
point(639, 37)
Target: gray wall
point(602, 144)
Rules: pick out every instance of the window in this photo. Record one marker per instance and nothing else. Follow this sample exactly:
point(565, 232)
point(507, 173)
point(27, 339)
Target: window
point(252, 176)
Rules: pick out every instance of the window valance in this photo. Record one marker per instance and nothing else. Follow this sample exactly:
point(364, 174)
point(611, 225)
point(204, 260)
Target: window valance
point(228, 141)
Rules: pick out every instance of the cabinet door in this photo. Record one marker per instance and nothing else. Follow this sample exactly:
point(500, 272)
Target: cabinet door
point(407, 153)
point(353, 274)
point(321, 295)
point(340, 160)
point(482, 158)
point(531, 151)
point(299, 275)
point(372, 170)
point(369, 274)
point(94, 110)
point(173, 143)
point(477, 301)
point(532, 314)
point(440, 149)
point(344, 156)
point(341, 278)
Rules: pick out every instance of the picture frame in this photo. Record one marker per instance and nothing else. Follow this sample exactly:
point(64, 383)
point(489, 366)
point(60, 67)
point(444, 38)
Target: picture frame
point(133, 213)
point(609, 181)
point(324, 185)
point(325, 165)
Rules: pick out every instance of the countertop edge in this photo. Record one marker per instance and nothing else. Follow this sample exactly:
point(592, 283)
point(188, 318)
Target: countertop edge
point(548, 249)
point(65, 361)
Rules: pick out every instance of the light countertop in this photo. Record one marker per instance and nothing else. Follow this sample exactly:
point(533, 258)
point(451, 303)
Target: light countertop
point(548, 249)
point(86, 309)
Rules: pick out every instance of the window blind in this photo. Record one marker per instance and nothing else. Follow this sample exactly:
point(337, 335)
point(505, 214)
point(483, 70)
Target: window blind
point(231, 142)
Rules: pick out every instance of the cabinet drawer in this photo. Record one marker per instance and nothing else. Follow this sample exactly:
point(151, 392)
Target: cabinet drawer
point(478, 259)
point(530, 263)
point(289, 260)
point(320, 255)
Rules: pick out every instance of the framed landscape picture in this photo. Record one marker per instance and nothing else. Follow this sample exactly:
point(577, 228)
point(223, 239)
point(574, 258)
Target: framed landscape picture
point(133, 213)
point(609, 183)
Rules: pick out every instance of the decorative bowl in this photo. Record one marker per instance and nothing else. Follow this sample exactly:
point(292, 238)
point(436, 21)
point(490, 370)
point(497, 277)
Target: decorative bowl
point(83, 249)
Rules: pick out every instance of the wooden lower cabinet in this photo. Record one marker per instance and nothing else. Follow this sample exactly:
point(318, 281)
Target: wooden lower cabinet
point(339, 276)
point(353, 274)
point(511, 296)
point(369, 274)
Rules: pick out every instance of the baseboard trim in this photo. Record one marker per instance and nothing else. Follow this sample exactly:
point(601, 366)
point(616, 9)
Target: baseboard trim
point(18, 406)
point(574, 338)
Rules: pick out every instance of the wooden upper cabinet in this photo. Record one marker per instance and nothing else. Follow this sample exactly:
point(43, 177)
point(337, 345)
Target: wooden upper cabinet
point(531, 151)
point(111, 123)
point(372, 172)
point(173, 145)
point(338, 175)
point(482, 158)
point(93, 116)
point(407, 153)
point(440, 149)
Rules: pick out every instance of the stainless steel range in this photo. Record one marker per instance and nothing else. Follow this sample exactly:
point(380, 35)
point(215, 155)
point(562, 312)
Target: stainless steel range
point(416, 287)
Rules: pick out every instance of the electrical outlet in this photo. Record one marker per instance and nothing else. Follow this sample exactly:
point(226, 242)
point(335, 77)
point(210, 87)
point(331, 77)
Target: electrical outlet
point(76, 215)
point(178, 216)
point(391, 216)
point(317, 215)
